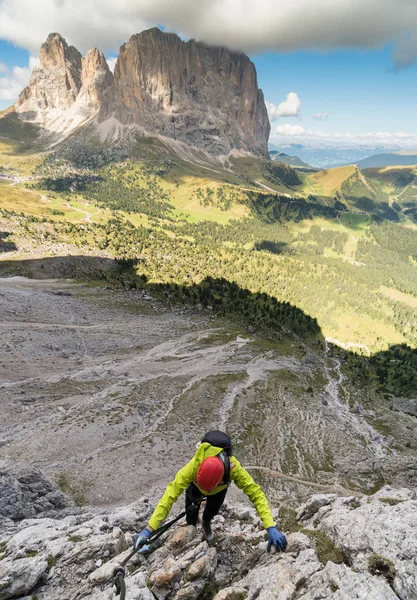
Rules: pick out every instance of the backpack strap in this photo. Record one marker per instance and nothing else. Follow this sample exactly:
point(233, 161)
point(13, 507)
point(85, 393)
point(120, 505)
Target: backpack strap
point(226, 464)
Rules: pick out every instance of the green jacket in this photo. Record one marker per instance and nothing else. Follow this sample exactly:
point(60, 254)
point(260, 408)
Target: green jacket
point(188, 474)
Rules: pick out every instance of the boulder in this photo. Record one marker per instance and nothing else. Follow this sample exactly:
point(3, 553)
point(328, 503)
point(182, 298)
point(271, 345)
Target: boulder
point(166, 575)
point(182, 537)
point(27, 493)
point(231, 593)
point(19, 577)
point(311, 507)
point(204, 566)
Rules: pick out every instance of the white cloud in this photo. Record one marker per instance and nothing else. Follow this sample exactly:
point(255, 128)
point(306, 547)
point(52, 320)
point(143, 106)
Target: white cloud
point(290, 130)
point(318, 139)
point(13, 81)
point(289, 108)
point(321, 116)
point(111, 61)
point(240, 24)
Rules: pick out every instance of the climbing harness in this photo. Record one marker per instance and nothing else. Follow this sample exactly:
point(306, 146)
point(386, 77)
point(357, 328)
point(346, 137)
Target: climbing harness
point(119, 572)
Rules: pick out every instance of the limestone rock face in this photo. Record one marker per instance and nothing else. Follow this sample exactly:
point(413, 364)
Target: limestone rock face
point(97, 80)
point(75, 555)
point(204, 97)
point(54, 84)
point(66, 90)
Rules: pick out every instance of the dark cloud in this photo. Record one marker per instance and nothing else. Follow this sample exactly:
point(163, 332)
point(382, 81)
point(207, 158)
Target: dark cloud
point(246, 25)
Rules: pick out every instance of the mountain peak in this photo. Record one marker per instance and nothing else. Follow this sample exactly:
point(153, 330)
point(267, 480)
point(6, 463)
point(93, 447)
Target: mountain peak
point(156, 32)
point(55, 51)
point(55, 37)
point(203, 96)
point(155, 37)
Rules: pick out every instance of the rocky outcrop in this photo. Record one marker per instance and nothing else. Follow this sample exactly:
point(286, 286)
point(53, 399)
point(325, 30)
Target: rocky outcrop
point(66, 91)
point(198, 95)
point(54, 84)
point(339, 548)
point(97, 81)
point(187, 91)
point(27, 494)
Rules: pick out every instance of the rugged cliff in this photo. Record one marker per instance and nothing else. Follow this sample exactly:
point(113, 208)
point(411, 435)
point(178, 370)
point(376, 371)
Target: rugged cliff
point(203, 96)
point(338, 549)
point(65, 90)
point(54, 84)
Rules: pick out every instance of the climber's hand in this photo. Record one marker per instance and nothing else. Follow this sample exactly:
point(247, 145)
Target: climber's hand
point(140, 538)
point(277, 539)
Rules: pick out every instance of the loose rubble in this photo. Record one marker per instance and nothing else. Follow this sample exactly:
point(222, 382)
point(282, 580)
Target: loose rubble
point(371, 545)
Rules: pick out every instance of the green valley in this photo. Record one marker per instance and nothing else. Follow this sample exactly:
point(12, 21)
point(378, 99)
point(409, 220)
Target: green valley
point(310, 241)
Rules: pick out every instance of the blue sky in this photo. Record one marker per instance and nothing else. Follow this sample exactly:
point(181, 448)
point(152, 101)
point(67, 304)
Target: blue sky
point(12, 55)
point(334, 58)
point(359, 90)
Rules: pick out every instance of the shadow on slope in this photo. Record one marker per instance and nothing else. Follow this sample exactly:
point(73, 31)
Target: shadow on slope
point(22, 136)
point(218, 295)
point(272, 208)
point(273, 247)
point(393, 371)
point(6, 246)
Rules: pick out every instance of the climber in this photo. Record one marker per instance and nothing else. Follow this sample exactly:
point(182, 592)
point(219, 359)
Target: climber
point(209, 474)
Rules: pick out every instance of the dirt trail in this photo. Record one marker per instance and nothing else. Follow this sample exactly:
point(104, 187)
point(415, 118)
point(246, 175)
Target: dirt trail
point(364, 180)
point(272, 190)
point(314, 192)
point(18, 180)
point(48, 326)
point(328, 488)
point(403, 191)
point(342, 411)
point(84, 212)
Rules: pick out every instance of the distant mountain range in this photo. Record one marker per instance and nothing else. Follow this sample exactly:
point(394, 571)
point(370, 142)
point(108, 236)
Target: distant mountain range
point(293, 161)
point(387, 160)
point(326, 158)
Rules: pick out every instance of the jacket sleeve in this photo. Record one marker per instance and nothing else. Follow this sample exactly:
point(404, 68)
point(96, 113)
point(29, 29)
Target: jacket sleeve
point(173, 491)
point(253, 491)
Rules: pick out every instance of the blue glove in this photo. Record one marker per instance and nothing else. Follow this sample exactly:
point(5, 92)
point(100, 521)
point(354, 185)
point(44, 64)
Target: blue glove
point(277, 539)
point(139, 539)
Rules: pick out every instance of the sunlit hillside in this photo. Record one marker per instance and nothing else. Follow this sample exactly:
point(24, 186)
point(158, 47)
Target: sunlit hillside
point(310, 241)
